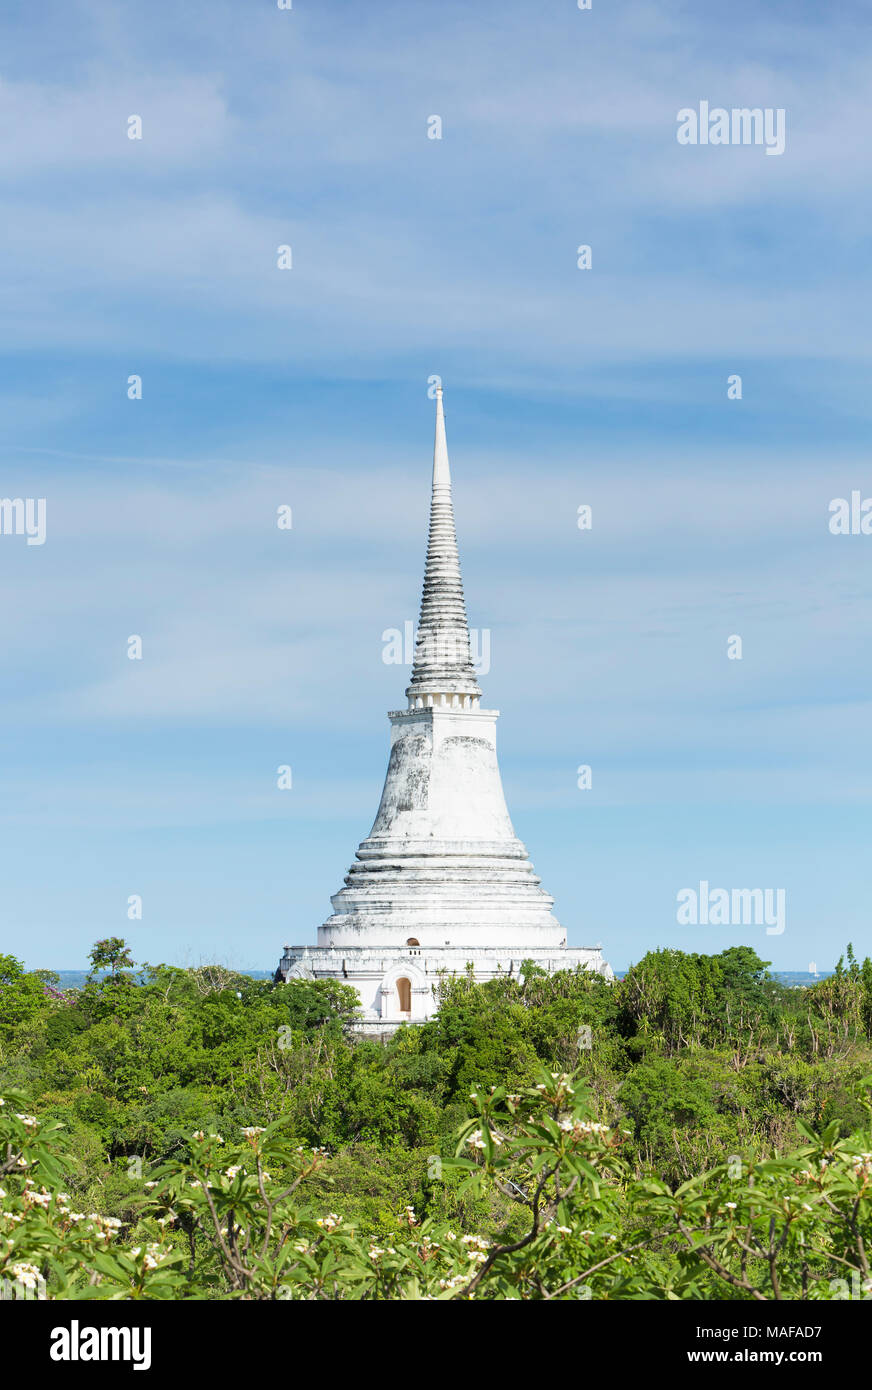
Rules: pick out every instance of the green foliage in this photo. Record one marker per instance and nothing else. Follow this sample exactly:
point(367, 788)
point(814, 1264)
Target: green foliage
point(230, 1219)
point(694, 1131)
point(21, 996)
point(688, 1000)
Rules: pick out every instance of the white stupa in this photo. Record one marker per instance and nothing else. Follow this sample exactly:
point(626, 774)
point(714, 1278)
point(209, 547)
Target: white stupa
point(441, 884)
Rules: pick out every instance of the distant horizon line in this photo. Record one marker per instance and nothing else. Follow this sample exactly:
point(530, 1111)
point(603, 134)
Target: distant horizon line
point(255, 972)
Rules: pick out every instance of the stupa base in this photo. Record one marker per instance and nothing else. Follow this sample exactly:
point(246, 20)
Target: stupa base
point(399, 985)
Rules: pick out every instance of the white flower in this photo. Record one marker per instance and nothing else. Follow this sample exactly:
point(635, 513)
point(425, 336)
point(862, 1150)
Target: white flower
point(26, 1274)
point(476, 1141)
point(38, 1199)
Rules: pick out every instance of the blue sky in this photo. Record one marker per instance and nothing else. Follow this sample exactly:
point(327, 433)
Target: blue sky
point(415, 257)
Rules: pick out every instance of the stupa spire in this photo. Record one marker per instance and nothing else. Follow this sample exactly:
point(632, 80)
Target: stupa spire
point(442, 667)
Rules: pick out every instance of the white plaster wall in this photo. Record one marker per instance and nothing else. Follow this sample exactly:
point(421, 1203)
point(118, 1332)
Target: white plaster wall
point(443, 781)
point(374, 973)
point(442, 862)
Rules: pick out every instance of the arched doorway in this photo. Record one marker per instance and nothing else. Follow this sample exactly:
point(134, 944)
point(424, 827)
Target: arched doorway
point(413, 941)
point(404, 990)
